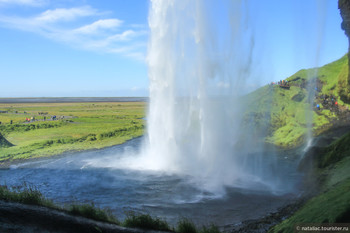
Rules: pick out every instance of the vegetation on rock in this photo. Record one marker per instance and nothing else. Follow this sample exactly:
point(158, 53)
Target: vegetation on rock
point(330, 166)
point(280, 115)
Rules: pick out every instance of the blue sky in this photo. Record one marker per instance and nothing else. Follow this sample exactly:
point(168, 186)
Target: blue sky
point(98, 48)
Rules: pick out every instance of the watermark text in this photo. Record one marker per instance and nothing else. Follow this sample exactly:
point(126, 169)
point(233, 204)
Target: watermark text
point(322, 227)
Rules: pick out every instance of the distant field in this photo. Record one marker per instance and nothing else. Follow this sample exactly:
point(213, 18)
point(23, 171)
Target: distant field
point(72, 99)
point(78, 126)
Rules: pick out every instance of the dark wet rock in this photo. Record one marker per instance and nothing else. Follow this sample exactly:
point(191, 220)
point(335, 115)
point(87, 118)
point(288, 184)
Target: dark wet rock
point(312, 158)
point(298, 97)
point(344, 7)
point(20, 218)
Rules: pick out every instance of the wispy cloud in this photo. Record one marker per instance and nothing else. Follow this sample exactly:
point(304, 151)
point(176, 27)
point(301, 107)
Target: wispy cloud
point(23, 2)
point(90, 31)
point(65, 14)
point(125, 36)
point(99, 25)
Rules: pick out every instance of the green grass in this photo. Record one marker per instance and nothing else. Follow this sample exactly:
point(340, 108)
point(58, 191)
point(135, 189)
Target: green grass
point(336, 174)
point(273, 108)
point(84, 126)
point(145, 221)
point(331, 206)
point(30, 195)
point(26, 195)
point(285, 113)
point(92, 212)
point(336, 151)
point(186, 226)
point(332, 168)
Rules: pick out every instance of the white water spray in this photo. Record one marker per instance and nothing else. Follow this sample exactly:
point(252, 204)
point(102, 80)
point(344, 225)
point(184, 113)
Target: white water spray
point(199, 71)
point(312, 87)
point(196, 78)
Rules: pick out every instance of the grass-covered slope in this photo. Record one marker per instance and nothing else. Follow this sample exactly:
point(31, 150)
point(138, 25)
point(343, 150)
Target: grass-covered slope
point(329, 207)
point(283, 113)
point(331, 167)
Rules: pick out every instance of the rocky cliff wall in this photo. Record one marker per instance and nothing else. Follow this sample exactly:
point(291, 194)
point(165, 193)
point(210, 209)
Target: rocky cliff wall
point(344, 7)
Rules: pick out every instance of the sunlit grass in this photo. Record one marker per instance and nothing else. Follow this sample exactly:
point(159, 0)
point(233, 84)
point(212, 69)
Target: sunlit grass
point(84, 126)
point(331, 166)
point(284, 113)
point(331, 206)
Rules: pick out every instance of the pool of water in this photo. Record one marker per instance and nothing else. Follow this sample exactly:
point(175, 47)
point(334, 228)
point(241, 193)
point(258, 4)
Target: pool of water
point(75, 178)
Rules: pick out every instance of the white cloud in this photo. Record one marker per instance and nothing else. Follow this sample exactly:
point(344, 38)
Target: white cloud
point(24, 2)
point(98, 25)
point(65, 14)
point(102, 35)
point(126, 35)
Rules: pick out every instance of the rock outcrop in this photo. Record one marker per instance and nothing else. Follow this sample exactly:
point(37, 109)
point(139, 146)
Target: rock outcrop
point(344, 7)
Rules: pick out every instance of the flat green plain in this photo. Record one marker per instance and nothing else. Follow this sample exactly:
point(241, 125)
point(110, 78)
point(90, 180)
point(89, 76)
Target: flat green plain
point(78, 126)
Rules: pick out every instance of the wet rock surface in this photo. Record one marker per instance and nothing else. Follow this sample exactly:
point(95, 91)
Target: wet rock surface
point(344, 7)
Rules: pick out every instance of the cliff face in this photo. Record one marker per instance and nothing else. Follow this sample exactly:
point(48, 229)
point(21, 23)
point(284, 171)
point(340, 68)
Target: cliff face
point(344, 7)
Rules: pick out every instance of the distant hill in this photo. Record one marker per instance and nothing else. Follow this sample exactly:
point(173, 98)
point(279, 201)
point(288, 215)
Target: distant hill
point(281, 114)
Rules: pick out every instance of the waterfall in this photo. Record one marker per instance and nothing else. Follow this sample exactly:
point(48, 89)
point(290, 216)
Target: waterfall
point(312, 87)
point(197, 76)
